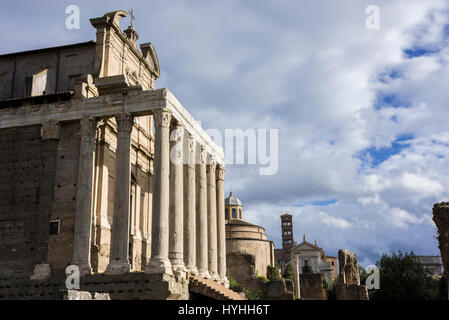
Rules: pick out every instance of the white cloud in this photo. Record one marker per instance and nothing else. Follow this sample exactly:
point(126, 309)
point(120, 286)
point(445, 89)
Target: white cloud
point(334, 221)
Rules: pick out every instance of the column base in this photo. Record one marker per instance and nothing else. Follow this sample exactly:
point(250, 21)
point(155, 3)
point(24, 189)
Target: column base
point(118, 267)
point(41, 272)
point(215, 277)
point(179, 270)
point(84, 268)
point(157, 265)
point(225, 282)
point(192, 270)
point(204, 274)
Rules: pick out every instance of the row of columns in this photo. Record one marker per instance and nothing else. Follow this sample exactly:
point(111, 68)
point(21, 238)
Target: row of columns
point(188, 226)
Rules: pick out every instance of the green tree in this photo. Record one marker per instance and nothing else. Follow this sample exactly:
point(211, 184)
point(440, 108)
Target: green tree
point(288, 273)
point(363, 275)
point(403, 277)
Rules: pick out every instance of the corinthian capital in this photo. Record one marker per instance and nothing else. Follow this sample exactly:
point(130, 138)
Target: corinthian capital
point(177, 132)
point(191, 143)
point(220, 172)
point(212, 164)
point(125, 122)
point(203, 155)
point(162, 118)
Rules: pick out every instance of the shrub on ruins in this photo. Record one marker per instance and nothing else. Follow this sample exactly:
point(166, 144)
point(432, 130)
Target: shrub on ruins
point(261, 278)
point(254, 295)
point(234, 285)
point(288, 273)
point(273, 272)
point(403, 277)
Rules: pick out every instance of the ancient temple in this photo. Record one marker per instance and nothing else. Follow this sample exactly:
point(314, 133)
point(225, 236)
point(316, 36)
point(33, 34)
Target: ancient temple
point(248, 249)
point(103, 171)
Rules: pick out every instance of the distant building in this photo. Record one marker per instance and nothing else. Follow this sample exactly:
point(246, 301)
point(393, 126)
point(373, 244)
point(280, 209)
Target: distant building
point(248, 250)
point(333, 263)
point(309, 258)
point(282, 256)
point(432, 264)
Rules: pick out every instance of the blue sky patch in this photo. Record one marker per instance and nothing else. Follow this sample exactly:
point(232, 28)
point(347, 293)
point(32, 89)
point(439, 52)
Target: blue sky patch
point(377, 156)
point(317, 203)
point(386, 77)
point(419, 52)
point(385, 100)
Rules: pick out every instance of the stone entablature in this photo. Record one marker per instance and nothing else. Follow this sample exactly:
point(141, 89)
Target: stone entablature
point(137, 102)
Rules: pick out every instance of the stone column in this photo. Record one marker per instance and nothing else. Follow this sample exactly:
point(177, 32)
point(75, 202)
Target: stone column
point(84, 196)
point(212, 220)
point(119, 258)
point(201, 216)
point(176, 250)
point(190, 210)
point(159, 262)
point(50, 134)
point(221, 232)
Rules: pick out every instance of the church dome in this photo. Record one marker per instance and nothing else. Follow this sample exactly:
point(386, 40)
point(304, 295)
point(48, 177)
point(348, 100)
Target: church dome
point(232, 201)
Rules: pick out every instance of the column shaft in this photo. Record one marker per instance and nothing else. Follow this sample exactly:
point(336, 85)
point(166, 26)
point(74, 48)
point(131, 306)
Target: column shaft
point(84, 196)
point(212, 220)
point(159, 262)
point(119, 258)
point(201, 216)
point(176, 252)
point(221, 232)
point(190, 210)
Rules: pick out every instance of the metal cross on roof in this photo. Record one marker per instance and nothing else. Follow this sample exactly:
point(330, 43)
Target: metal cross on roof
point(131, 15)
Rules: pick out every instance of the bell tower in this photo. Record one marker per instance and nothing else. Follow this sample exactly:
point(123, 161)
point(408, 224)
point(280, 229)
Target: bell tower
point(287, 232)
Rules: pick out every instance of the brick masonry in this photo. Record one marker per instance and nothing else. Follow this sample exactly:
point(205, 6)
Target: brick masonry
point(27, 174)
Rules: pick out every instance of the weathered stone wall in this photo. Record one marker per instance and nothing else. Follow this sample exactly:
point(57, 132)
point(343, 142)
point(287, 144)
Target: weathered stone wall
point(348, 283)
point(27, 173)
point(349, 268)
point(130, 286)
point(260, 249)
point(240, 266)
point(311, 287)
point(441, 218)
point(281, 289)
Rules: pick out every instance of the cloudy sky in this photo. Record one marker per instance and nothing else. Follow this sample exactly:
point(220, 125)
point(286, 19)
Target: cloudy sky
point(362, 114)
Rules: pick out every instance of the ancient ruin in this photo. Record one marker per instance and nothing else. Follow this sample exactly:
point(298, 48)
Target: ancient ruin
point(248, 250)
point(105, 172)
point(441, 219)
point(348, 284)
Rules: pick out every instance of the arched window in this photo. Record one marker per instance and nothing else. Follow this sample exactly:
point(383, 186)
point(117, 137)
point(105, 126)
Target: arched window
point(234, 214)
point(227, 214)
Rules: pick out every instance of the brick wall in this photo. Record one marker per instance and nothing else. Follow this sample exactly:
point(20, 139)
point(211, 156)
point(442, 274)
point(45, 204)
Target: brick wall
point(26, 191)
